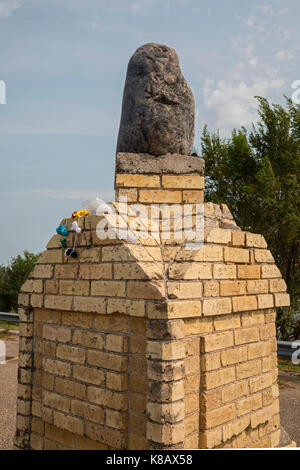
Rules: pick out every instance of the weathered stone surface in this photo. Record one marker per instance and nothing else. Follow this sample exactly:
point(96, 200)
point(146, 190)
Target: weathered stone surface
point(158, 104)
point(144, 163)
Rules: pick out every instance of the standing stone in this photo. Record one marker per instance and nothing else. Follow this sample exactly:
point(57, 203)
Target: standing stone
point(158, 105)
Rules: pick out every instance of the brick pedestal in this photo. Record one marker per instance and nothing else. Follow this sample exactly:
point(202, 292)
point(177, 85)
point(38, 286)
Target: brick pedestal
point(146, 344)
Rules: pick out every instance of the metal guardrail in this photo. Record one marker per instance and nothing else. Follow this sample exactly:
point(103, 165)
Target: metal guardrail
point(287, 348)
point(12, 317)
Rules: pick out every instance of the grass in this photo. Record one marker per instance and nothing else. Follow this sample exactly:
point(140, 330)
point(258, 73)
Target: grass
point(281, 383)
point(285, 364)
point(7, 325)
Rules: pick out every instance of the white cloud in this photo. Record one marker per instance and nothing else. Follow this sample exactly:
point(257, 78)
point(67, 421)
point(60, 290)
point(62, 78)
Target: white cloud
point(65, 119)
point(7, 7)
point(283, 11)
point(282, 32)
point(235, 106)
point(266, 9)
point(137, 6)
point(249, 50)
point(251, 21)
point(284, 55)
point(145, 6)
point(253, 62)
point(63, 194)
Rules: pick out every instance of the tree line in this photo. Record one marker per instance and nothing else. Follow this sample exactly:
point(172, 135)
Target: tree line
point(12, 277)
point(257, 174)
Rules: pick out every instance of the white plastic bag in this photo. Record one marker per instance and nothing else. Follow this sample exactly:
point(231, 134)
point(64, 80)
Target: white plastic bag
point(96, 206)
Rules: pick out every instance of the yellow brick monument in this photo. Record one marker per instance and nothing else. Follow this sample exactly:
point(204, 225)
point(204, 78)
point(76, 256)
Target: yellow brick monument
point(147, 341)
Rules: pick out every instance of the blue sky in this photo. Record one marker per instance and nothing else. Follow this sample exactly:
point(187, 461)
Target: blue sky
point(64, 64)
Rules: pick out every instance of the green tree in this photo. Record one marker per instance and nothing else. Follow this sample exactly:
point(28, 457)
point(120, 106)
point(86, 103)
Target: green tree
point(258, 175)
point(12, 277)
point(230, 169)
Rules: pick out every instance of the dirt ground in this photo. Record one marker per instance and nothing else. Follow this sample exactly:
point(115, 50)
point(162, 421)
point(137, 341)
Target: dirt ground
point(290, 405)
point(289, 398)
point(8, 394)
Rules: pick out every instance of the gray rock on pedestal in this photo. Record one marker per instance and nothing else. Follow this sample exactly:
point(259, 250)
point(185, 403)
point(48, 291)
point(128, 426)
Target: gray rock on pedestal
point(158, 105)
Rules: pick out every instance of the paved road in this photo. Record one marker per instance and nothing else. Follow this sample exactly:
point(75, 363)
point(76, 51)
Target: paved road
point(8, 393)
point(290, 406)
point(289, 400)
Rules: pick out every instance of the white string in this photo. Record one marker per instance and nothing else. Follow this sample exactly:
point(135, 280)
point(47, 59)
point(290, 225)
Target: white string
point(75, 239)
